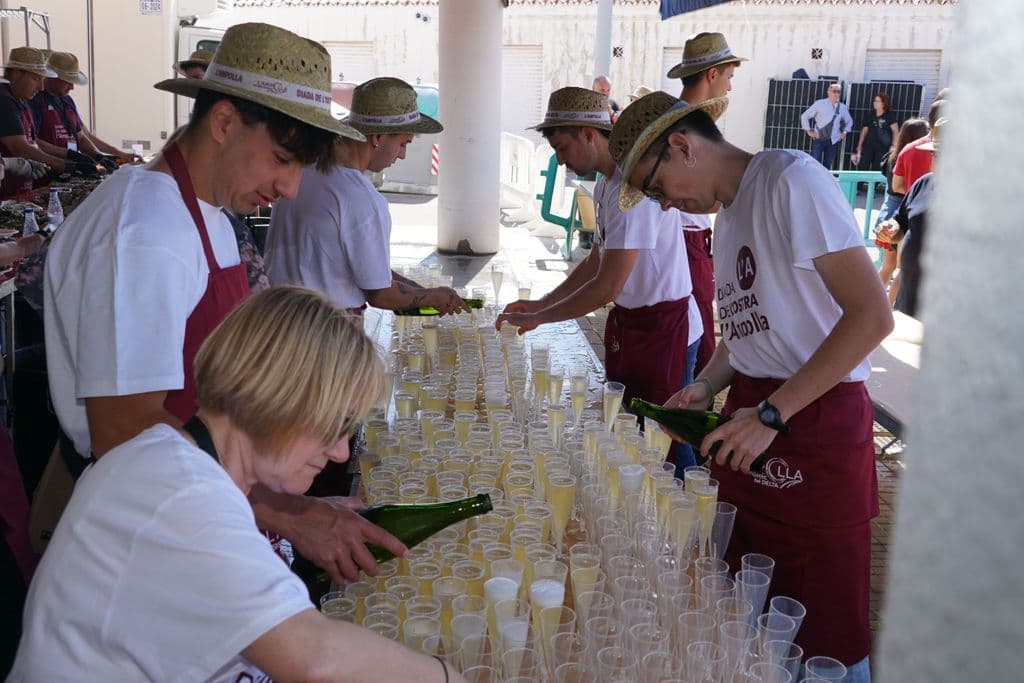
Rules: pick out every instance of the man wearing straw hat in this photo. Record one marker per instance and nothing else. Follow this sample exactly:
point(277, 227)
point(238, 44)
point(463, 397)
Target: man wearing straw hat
point(148, 265)
point(335, 235)
point(56, 115)
point(25, 70)
point(800, 312)
point(638, 262)
point(706, 71)
point(195, 65)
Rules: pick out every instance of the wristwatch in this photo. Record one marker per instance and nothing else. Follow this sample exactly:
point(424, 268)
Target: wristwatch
point(770, 417)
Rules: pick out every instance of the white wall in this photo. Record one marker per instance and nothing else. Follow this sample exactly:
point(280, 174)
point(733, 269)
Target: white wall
point(133, 52)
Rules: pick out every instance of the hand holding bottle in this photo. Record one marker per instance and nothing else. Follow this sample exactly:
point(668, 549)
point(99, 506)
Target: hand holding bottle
point(444, 299)
point(334, 538)
point(743, 438)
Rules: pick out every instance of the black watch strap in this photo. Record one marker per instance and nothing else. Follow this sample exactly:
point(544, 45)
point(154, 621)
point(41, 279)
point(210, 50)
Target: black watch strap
point(770, 417)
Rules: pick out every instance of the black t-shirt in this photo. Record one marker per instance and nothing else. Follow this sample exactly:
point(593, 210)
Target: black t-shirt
point(912, 217)
point(880, 131)
point(10, 112)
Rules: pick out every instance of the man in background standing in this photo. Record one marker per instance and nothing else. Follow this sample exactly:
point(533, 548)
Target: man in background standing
point(827, 122)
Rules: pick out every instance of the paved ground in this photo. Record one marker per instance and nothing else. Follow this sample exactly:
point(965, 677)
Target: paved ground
point(530, 252)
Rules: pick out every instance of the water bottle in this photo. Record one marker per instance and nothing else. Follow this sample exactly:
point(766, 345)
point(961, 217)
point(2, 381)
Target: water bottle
point(55, 211)
point(31, 227)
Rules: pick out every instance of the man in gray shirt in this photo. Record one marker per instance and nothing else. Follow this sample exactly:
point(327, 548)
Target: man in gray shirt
point(827, 122)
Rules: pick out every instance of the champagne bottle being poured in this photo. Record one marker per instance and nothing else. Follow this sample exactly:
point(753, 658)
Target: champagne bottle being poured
point(692, 426)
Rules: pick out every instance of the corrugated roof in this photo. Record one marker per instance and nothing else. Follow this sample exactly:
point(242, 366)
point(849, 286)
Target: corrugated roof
point(554, 3)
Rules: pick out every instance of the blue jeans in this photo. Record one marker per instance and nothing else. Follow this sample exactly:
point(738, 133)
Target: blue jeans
point(684, 452)
point(889, 207)
point(824, 152)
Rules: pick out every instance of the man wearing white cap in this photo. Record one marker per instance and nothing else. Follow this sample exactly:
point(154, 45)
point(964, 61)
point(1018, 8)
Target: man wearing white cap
point(56, 115)
point(25, 70)
point(149, 264)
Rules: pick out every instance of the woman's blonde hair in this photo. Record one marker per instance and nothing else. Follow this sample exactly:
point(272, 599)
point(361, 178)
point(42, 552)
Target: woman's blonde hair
point(287, 363)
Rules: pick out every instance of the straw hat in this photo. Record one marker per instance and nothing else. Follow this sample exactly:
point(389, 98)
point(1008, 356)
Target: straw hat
point(198, 58)
point(65, 65)
point(29, 59)
point(388, 106)
point(640, 124)
point(640, 91)
point(576, 107)
point(273, 68)
point(701, 52)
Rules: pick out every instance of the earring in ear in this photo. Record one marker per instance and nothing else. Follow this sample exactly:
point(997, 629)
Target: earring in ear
point(689, 161)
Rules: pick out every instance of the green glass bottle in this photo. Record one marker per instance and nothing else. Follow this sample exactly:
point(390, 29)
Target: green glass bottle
point(430, 310)
point(413, 524)
point(691, 425)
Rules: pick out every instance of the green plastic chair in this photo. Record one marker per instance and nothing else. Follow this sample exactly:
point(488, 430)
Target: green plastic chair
point(848, 181)
point(567, 223)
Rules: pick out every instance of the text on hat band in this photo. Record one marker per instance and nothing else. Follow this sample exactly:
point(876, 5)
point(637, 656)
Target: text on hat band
point(599, 116)
point(373, 120)
point(274, 87)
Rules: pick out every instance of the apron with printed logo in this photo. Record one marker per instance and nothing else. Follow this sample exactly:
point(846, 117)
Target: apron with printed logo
point(810, 509)
point(59, 126)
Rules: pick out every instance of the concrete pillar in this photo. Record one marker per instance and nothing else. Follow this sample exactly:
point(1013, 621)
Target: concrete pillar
point(603, 42)
point(469, 183)
point(954, 599)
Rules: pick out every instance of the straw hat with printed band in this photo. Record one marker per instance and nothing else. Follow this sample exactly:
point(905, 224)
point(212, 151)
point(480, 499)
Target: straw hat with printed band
point(643, 122)
point(31, 60)
point(576, 107)
point(701, 52)
point(387, 106)
point(273, 68)
point(197, 58)
point(639, 92)
point(65, 65)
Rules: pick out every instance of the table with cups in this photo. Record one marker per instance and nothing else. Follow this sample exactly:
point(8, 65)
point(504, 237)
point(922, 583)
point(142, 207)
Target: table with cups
point(596, 564)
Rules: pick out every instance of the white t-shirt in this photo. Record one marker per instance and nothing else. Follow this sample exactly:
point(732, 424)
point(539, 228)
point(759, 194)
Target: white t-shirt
point(335, 237)
point(122, 276)
point(156, 572)
point(774, 308)
point(661, 271)
point(694, 222)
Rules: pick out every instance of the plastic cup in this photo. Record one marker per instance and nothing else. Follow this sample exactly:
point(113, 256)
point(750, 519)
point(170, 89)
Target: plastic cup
point(785, 654)
point(765, 672)
point(825, 668)
point(792, 608)
point(705, 662)
point(758, 562)
point(694, 627)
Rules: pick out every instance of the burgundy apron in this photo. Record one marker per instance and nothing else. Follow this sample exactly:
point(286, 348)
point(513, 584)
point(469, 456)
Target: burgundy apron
point(53, 126)
point(811, 510)
point(14, 510)
point(225, 289)
point(643, 349)
point(702, 274)
point(13, 185)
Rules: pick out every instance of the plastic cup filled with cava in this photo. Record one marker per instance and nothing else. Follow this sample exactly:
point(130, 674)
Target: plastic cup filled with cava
point(613, 392)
